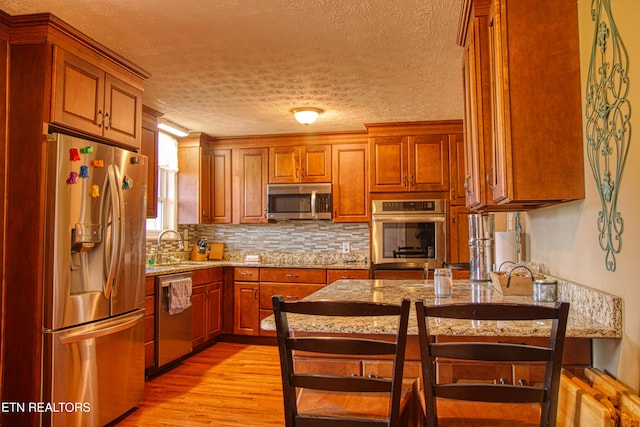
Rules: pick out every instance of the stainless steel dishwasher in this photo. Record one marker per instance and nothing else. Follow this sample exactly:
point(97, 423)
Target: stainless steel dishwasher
point(173, 331)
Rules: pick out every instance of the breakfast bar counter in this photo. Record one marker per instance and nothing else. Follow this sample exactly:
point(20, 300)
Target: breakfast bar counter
point(592, 314)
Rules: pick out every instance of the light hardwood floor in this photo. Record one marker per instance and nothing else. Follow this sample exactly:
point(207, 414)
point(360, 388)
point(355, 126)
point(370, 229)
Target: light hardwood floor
point(227, 384)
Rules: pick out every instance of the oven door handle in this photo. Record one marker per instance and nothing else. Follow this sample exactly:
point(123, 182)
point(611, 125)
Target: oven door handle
point(313, 203)
point(409, 218)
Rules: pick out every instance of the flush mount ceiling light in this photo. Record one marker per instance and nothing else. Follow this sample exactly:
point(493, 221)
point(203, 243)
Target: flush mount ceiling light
point(306, 115)
point(172, 128)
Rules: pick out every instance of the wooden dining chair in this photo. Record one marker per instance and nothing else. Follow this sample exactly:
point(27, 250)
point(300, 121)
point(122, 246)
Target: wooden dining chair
point(316, 398)
point(491, 404)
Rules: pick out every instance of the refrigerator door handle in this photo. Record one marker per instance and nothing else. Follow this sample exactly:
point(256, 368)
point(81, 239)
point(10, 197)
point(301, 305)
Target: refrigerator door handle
point(119, 243)
point(97, 333)
point(114, 251)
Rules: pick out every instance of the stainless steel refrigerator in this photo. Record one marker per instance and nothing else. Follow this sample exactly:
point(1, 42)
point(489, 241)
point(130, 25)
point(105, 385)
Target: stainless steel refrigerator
point(93, 331)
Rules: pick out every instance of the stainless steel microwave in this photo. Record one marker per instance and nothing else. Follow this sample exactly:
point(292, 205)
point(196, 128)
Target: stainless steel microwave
point(298, 201)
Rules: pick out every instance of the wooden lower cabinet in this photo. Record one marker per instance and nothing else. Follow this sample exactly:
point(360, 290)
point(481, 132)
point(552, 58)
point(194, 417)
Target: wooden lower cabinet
point(292, 283)
point(246, 319)
point(206, 303)
point(576, 357)
point(346, 274)
point(149, 323)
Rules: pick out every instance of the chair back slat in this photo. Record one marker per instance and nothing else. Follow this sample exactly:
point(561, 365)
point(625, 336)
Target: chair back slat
point(554, 316)
point(495, 352)
point(293, 382)
point(363, 347)
point(341, 383)
point(491, 393)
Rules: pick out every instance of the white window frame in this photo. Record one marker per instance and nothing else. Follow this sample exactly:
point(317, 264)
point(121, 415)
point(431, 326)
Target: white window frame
point(167, 187)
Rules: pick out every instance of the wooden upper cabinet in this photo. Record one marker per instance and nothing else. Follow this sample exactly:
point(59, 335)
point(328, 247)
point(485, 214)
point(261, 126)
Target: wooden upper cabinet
point(149, 147)
point(194, 180)
point(410, 156)
point(523, 114)
point(457, 176)
point(428, 162)
point(88, 99)
point(291, 164)
point(221, 185)
point(350, 190)
point(251, 170)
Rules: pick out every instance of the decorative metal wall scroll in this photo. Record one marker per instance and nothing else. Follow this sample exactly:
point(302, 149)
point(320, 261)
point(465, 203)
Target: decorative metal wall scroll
point(608, 128)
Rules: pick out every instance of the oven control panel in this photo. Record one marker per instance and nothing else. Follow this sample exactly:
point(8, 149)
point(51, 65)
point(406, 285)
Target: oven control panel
point(408, 206)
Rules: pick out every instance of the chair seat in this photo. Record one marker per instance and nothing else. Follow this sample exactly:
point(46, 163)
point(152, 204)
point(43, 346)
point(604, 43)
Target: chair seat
point(456, 413)
point(369, 406)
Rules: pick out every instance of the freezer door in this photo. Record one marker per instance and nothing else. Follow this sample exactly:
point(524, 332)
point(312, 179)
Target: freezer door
point(79, 231)
point(129, 291)
point(96, 370)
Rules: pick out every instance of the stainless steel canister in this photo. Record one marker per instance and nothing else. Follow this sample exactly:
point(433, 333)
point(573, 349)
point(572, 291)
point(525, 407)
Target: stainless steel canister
point(545, 290)
point(481, 242)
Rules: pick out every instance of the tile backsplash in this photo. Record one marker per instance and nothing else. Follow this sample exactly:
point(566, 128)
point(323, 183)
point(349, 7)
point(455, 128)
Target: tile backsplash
point(314, 237)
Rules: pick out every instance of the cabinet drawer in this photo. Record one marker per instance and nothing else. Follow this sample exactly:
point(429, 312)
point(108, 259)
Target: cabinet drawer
point(246, 274)
point(328, 366)
point(198, 277)
point(149, 305)
point(346, 274)
point(290, 292)
point(384, 368)
point(149, 285)
point(293, 275)
point(577, 351)
point(149, 328)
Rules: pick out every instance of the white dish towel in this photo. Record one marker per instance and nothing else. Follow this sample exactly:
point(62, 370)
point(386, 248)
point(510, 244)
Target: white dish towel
point(179, 295)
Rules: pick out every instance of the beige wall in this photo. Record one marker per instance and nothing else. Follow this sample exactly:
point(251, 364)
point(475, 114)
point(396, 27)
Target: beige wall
point(565, 238)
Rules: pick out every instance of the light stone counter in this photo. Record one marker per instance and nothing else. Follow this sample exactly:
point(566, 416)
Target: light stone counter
point(592, 314)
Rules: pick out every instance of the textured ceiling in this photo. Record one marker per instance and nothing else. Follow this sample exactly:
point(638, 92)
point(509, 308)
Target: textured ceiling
point(237, 67)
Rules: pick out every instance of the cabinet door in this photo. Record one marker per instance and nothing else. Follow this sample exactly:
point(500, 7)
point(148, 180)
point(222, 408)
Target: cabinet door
point(458, 234)
point(149, 147)
point(350, 190)
point(388, 164)
point(198, 315)
point(221, 186)
point(246, 310)
point(206, 186)
point(252, 164)
point(214, 310)
point(474, 96)
point(315, 163)
point(123, 112)
point(284, 165)
point(78, 96)
point(457, 169)
point(428, 163)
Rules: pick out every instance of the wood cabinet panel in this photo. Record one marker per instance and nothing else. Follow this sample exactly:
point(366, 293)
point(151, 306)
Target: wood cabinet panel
point(246, 309)
point(221, 186)
point(291, 164)
point(350, 183)
point(149, 147)
point(90, 100)
point(388, 164)
point(199, 277)
point(206, 302)
point(428, 163)
point(457, 169)
point(290, 292)
point(515, 99)
point(293, 275)
point(253, 174)
point(246, 274)
point(345, 274)
point(458, 235)
point(214, 310)
point(328, 366)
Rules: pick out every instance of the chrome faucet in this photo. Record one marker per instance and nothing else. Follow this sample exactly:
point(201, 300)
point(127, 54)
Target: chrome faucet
point(158, 258)
point(169, 230)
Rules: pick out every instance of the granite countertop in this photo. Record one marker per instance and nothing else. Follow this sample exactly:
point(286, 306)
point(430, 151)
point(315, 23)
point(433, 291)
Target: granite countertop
point(183, 266)
point(592, 314)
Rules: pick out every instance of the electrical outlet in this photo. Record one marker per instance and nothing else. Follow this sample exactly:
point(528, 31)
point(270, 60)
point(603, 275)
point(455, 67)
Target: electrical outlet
point(346, 247)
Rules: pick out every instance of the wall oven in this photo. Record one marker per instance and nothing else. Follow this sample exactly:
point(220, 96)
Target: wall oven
point(409, 231)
